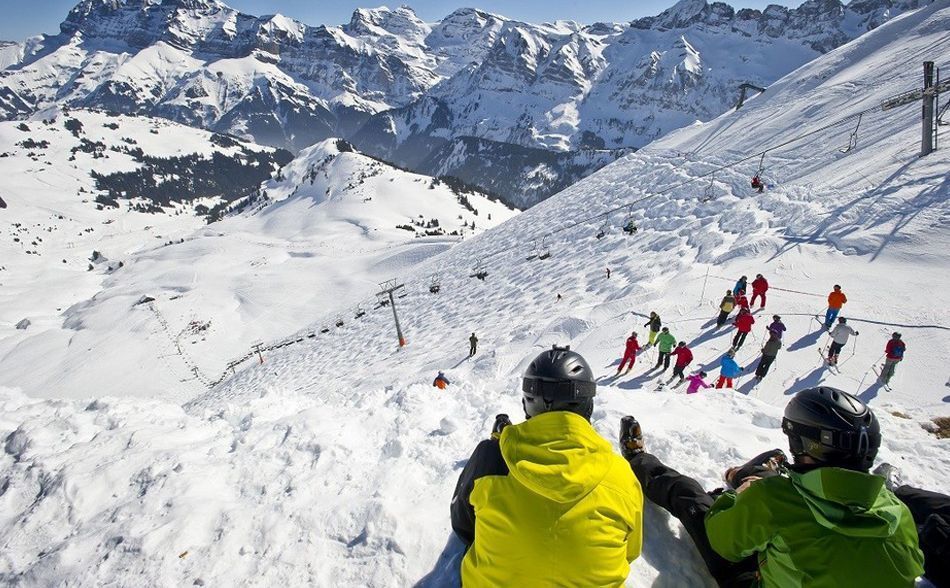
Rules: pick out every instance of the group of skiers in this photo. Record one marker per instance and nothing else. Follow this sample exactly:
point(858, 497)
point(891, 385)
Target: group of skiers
point(668, 347)
point(548, 502)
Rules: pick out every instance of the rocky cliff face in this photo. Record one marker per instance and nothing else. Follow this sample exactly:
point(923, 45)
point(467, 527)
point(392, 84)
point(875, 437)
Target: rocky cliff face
point(411, 91)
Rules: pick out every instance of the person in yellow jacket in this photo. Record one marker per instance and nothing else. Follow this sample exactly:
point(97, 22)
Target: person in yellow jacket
point(548, 502)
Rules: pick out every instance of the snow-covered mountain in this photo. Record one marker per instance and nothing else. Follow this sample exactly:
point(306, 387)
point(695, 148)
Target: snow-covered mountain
point(413, 92)
point(331, 223)
point(333, 461)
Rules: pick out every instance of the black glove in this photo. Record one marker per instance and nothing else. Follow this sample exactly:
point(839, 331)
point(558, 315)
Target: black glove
point(631, 438)
point(763, 465)
point(501, 421)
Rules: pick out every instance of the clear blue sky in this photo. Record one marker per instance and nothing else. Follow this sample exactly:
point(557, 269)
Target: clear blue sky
point(24, 18)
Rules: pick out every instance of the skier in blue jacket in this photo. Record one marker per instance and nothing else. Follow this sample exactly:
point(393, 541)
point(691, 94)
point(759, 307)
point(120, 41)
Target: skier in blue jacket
point(728, 370)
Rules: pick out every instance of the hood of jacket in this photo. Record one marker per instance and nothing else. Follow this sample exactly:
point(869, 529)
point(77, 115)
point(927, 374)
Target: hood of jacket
point(850, 503)
point(556, 454)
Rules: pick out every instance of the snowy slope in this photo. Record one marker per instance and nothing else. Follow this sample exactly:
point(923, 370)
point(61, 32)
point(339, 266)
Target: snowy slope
point(333, 462)
point(330, 225)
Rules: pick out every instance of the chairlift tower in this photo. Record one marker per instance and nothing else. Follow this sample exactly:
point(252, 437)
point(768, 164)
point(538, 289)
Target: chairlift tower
point(387, 288)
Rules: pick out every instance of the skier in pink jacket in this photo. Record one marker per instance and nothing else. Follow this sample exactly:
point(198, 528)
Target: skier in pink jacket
point(696, 382)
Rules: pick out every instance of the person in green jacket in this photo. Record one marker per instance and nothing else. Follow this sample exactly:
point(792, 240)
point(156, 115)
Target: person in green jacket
point(665, 343)
point(820, 521)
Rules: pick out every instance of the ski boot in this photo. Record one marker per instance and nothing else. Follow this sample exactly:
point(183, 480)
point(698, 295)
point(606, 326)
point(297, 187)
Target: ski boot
point(501, 421)
point(631, 438)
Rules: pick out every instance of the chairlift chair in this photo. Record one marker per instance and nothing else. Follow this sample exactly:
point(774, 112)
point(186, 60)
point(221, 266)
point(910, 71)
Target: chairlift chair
point(360, 313)
point(533, 252)
point(602, 232)
point(325, 330)
point(630, 222)
point(709, 192)
point(479, 272)
point(543, 251)
point(435, 284)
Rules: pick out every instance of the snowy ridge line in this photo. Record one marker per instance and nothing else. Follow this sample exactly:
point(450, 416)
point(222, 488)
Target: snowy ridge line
point(606, 214)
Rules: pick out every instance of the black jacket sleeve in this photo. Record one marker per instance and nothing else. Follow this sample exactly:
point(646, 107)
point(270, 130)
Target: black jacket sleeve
point(486, 460)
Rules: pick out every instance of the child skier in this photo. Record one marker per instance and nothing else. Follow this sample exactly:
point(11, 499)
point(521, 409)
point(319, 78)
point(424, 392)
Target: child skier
point(655, 324)
point(665, 343)
point(839, 338)
point(759, 287)
point(630, 353)
point(836, 300)
point(441, 381)
point(729, 369)
point(769, 353)
point(743, 324)
point(696, 382)
point(741, 286)
point(894, 354)
point(683, 358)
point(725, 307)
point(777, 327)
point(742, 301)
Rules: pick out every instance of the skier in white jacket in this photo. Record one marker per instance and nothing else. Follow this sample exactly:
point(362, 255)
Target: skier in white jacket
point(839, 338)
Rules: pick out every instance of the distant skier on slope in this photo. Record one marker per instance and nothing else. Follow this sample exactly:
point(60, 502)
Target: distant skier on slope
point(440, 381)
point(894, 354)
point(822, 520)
point(696, 382)
point(725, 307)
point(743, 324)
point(655, 325)
point(776, 328)
point(664, 346)
point(629, 353)
point(553, 471)
point(769, 353)
point(683, 357)
point(608, 272)
point(836, 299)
point(741, 286)
point(472, 345)
point(839, 338)
point(759, 287)
point(728, 370)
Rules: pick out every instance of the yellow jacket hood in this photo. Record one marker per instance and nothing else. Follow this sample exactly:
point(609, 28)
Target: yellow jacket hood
point(557, 454)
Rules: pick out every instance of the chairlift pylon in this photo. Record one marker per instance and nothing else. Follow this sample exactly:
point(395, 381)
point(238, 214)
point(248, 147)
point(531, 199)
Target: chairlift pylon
point(339, 321)
point(853, 139)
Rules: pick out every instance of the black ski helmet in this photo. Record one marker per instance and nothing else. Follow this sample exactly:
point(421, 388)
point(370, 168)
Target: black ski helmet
point(558, 379)
point(832, 427)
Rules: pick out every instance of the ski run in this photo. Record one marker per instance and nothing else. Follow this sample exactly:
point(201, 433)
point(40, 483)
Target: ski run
point(147, 443)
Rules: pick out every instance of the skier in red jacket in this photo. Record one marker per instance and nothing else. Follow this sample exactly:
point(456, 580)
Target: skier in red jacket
point(683, 358)
point(894, 354)
point(759, 287)
point(743, 324)
point(630, 353)
point(742, 301)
